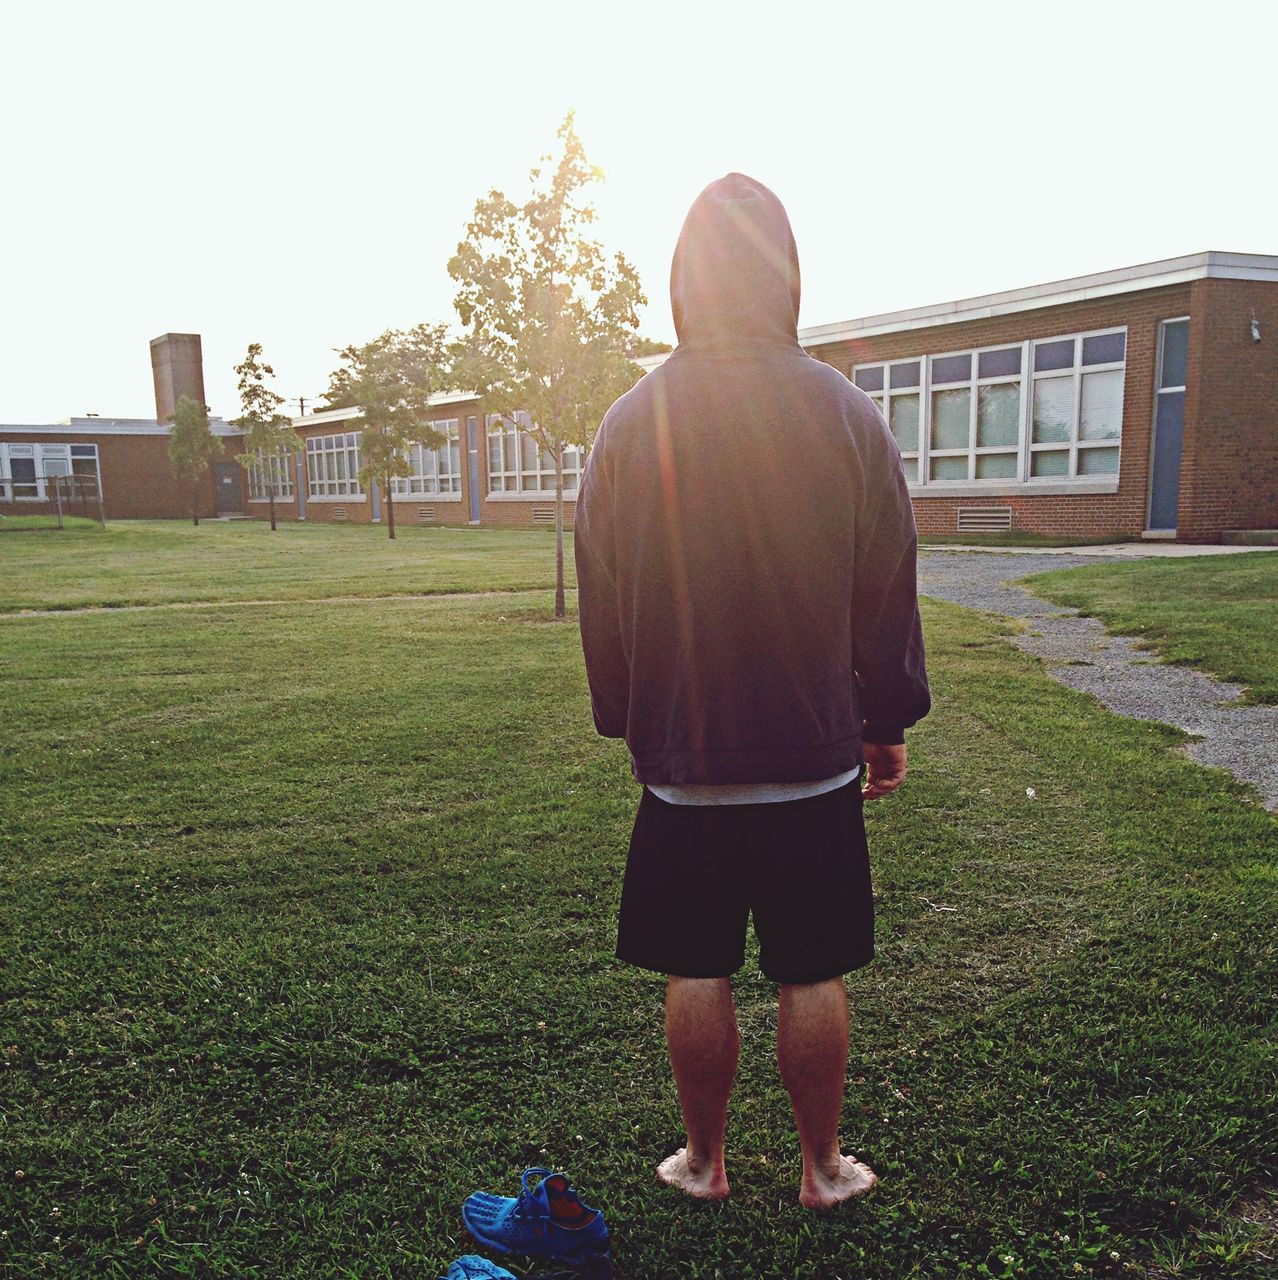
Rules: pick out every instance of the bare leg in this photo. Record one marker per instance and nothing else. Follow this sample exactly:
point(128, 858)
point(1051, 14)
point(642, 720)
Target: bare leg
point(701, 1031)
point(812, 1051)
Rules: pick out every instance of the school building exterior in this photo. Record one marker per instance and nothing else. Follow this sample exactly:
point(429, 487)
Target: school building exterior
point(1135, 403)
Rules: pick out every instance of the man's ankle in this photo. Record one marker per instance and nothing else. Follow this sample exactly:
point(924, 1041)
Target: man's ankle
point(699, 1163)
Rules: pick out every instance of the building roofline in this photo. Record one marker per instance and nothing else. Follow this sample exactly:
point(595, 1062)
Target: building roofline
point(1103, 284)
point(110, 427)
point(324, 416)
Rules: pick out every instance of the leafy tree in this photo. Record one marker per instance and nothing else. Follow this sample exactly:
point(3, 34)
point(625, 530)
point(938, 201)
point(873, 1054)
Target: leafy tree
point(391, 380)
point(192, 446)
point(647, 347)
point(549, 317)
point(270, 433)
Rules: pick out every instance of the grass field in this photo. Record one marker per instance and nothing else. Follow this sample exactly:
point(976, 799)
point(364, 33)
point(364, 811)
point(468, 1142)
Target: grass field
point(1217, 613)
point(30, 524)
point(135, 562)
point(308, 925)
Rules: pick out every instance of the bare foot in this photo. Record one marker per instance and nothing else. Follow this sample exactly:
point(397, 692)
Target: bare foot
point(824, 1188)
point(703, 1182)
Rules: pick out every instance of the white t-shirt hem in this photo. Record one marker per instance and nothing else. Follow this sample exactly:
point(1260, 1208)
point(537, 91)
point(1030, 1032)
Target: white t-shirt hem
point(749, 792)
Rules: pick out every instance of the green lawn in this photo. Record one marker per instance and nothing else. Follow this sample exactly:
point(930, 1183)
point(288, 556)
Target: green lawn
point(31, 524)
point(135, 562)
point(308, 916)
point(1218, 613)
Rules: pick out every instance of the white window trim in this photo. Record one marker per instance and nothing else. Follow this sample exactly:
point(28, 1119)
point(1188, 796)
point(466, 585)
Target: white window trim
point(1153, 425)
point(572, 474)
point(1005, 487)
point(355, 494)
point(288, 466)
point(1024, 481)
point(451, 429)
point(38, 452)
point(1077, 371)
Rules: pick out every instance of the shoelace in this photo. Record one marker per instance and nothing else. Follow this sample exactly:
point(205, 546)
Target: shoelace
point(526, 1192)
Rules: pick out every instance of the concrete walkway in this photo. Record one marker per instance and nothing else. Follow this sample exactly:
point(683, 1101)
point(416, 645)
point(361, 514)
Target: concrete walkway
point(1081, 654)
point(1151, 550)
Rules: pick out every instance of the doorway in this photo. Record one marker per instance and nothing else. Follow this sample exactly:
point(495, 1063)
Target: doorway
point(228, 489)
point(1169, 426)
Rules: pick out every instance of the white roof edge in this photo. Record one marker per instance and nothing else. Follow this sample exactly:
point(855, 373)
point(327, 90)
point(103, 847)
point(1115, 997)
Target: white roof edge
point(342, 415)
point(1103, 284)
point(108, 427)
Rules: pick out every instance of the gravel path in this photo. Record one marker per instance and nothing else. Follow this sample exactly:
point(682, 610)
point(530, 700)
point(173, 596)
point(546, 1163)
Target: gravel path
point(1079, 653)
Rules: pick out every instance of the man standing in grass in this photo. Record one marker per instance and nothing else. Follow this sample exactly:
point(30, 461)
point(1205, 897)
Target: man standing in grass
point(745, 554)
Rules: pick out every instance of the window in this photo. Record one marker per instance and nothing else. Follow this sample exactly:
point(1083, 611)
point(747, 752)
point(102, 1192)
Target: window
point(1077, 417)
point(271, 473)
point(84, 466)
point(332, 466)
point(517, 465)
point(1169, 424)
point(1048, 409)
point(20, 472)
point(26, 468)
point(435, 471)
point(895, 389)
point(976, 415)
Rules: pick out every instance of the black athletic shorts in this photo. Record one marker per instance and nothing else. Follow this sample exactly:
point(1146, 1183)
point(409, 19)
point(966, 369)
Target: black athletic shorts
point(696, 872)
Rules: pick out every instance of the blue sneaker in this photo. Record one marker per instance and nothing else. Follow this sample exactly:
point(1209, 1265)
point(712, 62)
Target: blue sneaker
point(546, 1220)
point(473, 1267)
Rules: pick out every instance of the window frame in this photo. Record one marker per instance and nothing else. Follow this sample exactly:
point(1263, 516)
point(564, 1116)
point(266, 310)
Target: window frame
point(519, 481)
point(973, 384)
point(38, 453)
point(331, 488)
point(282, 463)
point(1026, 448)
point(883, 401)
point(417, 484)
point(1077, 371)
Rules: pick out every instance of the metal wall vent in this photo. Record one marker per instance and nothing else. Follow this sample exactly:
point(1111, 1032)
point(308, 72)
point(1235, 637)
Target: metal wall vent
point(543, 515)
point(340, 513)
point(984, 519)
point(425, 515)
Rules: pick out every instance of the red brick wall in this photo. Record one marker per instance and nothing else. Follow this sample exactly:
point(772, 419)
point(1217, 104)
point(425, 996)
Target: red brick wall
point(136, 480)
point(1229, 465)
point(506, 514)
point(1120, 514)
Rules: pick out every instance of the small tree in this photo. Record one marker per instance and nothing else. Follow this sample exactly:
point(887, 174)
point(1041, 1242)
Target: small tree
point(391, 380)
point(550, 319)
point(192, 446)
point(269, 432)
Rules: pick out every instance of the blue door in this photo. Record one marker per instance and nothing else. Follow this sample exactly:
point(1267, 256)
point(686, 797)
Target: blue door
point(376, 492)
point(472, 447)
point(1169, 425)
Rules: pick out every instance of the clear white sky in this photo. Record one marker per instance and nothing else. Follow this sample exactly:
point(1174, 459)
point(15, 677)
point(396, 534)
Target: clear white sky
point(298, 174)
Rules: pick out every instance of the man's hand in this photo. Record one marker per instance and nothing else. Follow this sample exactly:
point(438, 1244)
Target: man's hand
point(884, 769)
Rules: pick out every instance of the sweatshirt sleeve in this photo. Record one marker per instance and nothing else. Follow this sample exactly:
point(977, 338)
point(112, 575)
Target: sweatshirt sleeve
point(594, 550)
point(887, 635)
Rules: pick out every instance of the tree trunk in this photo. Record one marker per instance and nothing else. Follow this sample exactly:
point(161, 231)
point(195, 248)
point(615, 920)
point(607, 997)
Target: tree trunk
point(272, 504)
point(195, 503)
point(390, 509)
point(559, 531)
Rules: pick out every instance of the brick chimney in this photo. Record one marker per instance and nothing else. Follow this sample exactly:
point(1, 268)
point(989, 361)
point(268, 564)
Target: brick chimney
point(177, 365)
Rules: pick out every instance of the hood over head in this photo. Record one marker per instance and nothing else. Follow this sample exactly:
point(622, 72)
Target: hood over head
point(734, 280)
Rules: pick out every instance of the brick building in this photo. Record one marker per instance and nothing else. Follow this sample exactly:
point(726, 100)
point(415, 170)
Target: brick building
point(490, 472)
point(1134, 403)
